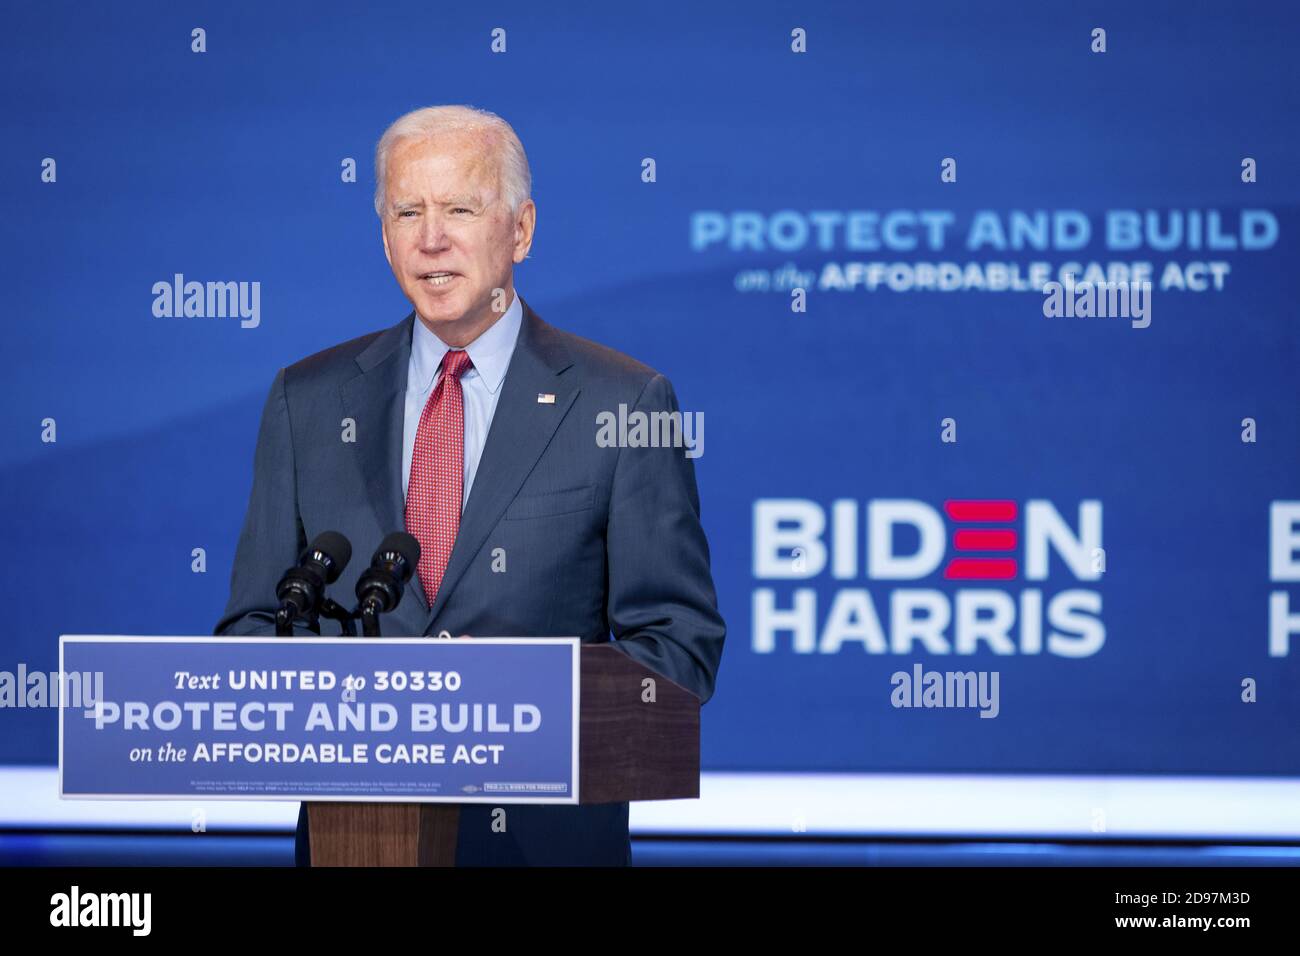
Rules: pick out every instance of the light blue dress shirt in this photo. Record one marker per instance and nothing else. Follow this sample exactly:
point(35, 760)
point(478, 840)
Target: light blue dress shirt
point(481, 385)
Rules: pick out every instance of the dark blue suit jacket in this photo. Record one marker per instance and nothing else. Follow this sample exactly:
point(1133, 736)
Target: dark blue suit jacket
point(597, 541)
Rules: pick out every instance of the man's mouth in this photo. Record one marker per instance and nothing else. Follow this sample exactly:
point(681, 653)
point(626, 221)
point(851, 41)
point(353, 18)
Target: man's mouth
point(438, 278)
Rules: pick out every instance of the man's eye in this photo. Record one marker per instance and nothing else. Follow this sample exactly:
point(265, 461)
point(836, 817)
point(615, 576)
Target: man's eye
point(460, 209)
point(406, 212)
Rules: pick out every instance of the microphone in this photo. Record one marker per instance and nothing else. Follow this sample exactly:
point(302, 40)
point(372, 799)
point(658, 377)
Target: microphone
point(302, 589)
point(381, 586)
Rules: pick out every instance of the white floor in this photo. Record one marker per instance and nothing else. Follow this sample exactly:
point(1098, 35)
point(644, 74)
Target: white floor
point(1097, 807)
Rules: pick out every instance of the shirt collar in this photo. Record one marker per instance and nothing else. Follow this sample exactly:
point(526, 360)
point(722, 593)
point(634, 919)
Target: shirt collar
point(490, 352)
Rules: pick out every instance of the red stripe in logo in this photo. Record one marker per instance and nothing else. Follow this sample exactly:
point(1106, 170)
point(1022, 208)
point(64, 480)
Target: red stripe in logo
point(981, 510)
point(985, 569)
point(987, 540)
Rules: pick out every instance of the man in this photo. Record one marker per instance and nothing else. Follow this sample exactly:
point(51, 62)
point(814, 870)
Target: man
point(475, 429)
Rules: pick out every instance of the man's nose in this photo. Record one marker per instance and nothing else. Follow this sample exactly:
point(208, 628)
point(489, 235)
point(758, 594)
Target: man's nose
point(433, 236)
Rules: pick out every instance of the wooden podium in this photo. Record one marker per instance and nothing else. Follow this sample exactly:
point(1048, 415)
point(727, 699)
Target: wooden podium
point(628, 750)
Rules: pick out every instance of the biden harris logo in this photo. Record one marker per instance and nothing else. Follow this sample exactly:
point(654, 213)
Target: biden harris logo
point(1283, 568)
point(1001, 565)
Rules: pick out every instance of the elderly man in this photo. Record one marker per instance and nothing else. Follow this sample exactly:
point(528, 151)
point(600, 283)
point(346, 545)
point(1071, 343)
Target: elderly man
point(475, 430)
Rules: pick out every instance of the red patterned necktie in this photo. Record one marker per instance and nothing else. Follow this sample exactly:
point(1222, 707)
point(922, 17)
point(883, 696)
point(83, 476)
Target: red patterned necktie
point(436, 484)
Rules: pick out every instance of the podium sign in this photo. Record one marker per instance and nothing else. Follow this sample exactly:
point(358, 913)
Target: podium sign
point(410, 720)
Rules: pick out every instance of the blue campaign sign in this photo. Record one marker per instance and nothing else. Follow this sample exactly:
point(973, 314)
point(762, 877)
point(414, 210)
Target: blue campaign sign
point(371, 719)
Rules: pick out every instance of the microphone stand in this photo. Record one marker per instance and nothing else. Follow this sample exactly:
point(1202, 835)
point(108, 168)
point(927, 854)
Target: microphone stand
point(330, 608)
point(284, 621)
point(369, 614)
point(347, 619)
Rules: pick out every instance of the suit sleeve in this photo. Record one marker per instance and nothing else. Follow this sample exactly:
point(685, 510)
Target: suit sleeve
point(272, 535)
point(662, 608)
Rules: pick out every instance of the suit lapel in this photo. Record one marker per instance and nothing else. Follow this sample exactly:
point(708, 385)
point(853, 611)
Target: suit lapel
point(376, 400)
point(520, 431)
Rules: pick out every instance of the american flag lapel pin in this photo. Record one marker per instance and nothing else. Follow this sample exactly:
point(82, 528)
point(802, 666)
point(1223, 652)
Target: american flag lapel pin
point(545, 398)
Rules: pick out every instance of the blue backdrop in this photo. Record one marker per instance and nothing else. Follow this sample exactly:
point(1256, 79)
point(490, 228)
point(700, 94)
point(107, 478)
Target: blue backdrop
point(227, 165)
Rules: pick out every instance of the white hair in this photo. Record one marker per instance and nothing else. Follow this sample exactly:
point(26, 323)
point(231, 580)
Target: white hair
point(514, 178)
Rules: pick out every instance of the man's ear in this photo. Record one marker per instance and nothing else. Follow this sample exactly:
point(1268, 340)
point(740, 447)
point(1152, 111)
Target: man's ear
point(387, 252)
point(524, 228)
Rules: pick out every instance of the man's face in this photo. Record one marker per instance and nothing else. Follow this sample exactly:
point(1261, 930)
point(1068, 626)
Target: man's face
point(449, 235)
